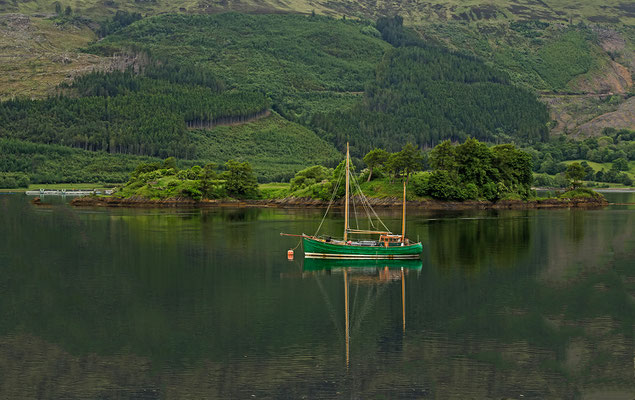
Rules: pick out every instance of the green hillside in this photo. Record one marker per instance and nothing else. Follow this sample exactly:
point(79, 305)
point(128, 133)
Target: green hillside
point(280, 55)
point(275, 147)
point(426, 95)
point(42, 163)
point(338, 78)
point(314, 67)
point(174, 81)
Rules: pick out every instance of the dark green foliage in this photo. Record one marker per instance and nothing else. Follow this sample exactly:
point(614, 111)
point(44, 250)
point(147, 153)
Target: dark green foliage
point(565, 58)
point(58, 164)
point(620, 164)
point(443, 156)
point(546, 181)
point(419, 94)
point(201, 70)
point(474, 171)
point(393, 31)
point(442, 184)
point(405, 162)
point(208, 176)
point(588, 171)
point(613, 176)
point(581, 193)
point(512, 165)
point(425, 95)
point(276, 148)
point(13, 180)
point(119, 20)
point(375, 158)
point(240, 180)
point(575, 172)
point(310, 176)
point(528, 28)
point(276, 54)
point(126, 113)
point(163, 180)
point(617, 144)
point(317, 182)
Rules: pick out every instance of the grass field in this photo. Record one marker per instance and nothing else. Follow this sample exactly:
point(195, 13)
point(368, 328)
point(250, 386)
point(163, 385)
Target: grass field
point(606, 166)
point(275, 147)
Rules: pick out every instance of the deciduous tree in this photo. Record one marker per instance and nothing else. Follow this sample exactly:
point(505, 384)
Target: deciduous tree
point(375, 158)
point(575, 172)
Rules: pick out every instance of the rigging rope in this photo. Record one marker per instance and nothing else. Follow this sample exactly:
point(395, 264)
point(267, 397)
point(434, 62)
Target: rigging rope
point(369, 206)
point(364, 201)
point(370, 219)
point(337, 186)
point(355, 211)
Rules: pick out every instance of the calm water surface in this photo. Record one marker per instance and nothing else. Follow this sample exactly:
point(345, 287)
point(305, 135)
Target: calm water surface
point(124, 303)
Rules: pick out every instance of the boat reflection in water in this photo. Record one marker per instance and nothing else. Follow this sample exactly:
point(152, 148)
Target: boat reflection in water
point(378, 273)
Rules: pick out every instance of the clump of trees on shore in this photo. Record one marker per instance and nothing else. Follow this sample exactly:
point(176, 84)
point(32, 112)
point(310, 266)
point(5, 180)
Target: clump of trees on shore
point(456, 172)
point(615, 146)
point(468, 171)
point(472, 171)
point(163, 180)
point(12, 180)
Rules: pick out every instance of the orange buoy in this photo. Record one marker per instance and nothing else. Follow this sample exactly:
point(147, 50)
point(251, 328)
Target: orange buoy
point(290, 255)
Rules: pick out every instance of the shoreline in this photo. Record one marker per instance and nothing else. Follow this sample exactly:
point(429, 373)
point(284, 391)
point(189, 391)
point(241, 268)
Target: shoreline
point(300, 202)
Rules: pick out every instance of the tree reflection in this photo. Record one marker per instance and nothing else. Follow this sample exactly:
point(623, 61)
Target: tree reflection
point(475, 241)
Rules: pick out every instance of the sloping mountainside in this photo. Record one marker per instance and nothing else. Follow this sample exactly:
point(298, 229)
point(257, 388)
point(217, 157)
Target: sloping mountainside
point(582, 71)
point(168, 85)
point(327, 80)
point(36, 55)
point(415, 12)
point(556, 47)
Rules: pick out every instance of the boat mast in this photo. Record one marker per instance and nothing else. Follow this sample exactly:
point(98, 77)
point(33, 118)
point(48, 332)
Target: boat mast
point(403, 217)
point(346, 207)
point(403, 302)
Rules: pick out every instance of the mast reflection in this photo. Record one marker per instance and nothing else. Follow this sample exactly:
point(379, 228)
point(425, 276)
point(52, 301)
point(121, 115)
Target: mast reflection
point(367, 272)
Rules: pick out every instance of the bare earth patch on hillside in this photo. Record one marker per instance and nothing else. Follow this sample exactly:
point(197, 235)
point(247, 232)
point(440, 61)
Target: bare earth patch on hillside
point(611, 78)
point(602, 101)
point(623, 117)
point(587, 114)
point(36, 55)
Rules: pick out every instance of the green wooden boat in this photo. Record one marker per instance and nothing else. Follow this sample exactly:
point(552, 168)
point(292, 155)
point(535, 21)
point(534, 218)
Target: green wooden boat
point(320, 248)
point(388, 246)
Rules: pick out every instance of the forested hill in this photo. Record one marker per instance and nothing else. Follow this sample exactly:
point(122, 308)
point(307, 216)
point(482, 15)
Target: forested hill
point(315, 68)
point(331, 79)
point(424, 94)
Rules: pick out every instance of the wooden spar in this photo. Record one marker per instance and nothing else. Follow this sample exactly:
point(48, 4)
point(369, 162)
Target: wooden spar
point(367, 232)
point(403, 219)
point(346, 202)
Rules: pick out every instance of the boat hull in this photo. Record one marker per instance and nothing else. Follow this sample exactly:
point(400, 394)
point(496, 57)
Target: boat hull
point(318, 249)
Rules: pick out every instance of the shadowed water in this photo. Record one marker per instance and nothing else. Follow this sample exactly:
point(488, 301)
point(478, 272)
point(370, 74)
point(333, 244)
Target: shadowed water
point(125, 303)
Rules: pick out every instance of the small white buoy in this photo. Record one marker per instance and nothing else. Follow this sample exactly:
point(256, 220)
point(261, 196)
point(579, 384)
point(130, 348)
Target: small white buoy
point(290, 255)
